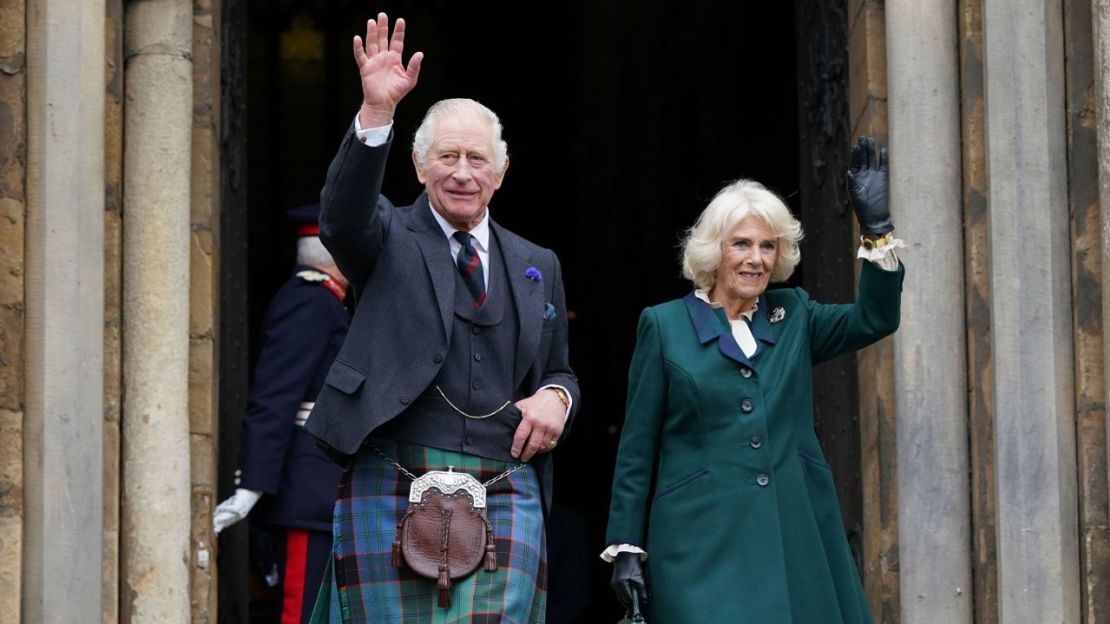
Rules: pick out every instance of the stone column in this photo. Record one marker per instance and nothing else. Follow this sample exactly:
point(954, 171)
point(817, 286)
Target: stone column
point(1031, 324)
point(1100, 18)
point(929, 350)
point(13, 204)
point(63, 425)
point(157, 155)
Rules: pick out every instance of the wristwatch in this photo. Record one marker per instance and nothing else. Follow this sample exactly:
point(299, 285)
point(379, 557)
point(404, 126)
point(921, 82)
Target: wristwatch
point(877, 243)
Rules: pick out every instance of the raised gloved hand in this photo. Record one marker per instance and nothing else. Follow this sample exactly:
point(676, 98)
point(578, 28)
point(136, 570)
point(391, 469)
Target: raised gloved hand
point(234, 509)
point(628, 579)
point(867, 183)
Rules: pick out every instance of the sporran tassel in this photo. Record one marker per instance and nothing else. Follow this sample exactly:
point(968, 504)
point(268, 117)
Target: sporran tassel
point(491, 548)
point(397, 562)
point(397, 553)
point(444, 586)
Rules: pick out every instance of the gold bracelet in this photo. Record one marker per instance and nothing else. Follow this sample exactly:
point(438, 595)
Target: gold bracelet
point(563, 397)
point(877, 243)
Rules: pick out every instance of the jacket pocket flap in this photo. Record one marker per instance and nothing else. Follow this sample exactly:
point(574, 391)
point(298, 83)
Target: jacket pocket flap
point(345, 378)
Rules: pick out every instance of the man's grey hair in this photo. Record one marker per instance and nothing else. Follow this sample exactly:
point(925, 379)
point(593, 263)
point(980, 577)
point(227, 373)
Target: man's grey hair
point(311, 252)
point(422, 140)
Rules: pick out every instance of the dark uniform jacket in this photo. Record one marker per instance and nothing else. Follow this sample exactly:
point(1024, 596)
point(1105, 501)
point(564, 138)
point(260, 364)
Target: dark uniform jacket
point(302, 332)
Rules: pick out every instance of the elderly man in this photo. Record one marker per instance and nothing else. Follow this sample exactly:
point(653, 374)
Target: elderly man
point(456, 357)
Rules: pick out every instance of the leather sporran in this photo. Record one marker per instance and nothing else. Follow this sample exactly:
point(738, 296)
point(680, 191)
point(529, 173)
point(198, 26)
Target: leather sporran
point(444, 534)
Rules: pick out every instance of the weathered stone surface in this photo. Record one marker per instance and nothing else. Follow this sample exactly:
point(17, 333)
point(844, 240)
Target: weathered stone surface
point(11, 465)
point(1096, 581)
point(1094, 512)
point(878, 461)
point(159, 27)
point(204, 302)
point(867, 56)
point(11, 356)
point(873, 122)
point(156, 496)
point(113, 320)
point(11, 580)
point(878, 442)
point(202, 390)
point(977, 274)
point(113, 293)
point(202, 596)
point(111, 543)
point(202, 464)
point(1096, 538)
point(12, 193)
point(63, 388)
point(205, 206)
point(929, 349)
point(1094, 509)
point(13, 148)
point(1032, 337)
point(12, 33)
point(13, 132)
point(11, 242)
point(202, 280)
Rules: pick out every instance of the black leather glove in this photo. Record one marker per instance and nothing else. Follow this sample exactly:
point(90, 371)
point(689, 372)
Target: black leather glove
point(628, 579)
point(867, 183)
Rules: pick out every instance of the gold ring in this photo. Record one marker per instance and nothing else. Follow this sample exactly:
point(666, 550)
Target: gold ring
point(553, 442)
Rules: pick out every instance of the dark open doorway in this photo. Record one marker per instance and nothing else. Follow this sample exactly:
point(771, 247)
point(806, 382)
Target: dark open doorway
point(623, 119)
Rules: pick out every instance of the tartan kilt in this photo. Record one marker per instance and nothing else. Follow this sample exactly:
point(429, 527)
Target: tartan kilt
point(361, 584)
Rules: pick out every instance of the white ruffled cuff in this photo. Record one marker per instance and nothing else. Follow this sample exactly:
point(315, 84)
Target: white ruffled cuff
point(613, 550)
point(883, 257)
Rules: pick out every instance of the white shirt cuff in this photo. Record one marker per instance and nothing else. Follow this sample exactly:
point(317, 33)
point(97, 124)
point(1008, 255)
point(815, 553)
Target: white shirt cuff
point(570, 399)
point(372, 137)
point(613, 550)
point(883, 257)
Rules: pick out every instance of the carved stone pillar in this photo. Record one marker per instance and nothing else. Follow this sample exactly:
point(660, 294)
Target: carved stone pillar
point(929, 350)
point(1031, 324)
point(63, 424)
point(158, 120)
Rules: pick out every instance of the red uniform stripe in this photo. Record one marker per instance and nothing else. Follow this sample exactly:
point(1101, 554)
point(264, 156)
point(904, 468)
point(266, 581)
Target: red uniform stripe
point(296, 554)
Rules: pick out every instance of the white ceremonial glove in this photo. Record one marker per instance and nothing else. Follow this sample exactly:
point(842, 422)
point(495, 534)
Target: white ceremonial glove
point(234, 509)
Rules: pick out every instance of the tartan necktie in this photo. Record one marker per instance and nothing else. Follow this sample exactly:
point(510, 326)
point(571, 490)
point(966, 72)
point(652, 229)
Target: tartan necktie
point(470, 267)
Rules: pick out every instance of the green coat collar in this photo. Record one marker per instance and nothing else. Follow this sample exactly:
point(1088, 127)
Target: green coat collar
point(712, 323)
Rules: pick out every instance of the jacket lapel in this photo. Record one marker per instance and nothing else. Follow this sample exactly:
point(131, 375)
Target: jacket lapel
point(437, 257)
point(711, 323)
point(762, 330)
point(527, 297)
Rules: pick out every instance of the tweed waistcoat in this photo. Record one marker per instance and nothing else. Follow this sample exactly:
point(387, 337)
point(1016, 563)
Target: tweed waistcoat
point(476, 377)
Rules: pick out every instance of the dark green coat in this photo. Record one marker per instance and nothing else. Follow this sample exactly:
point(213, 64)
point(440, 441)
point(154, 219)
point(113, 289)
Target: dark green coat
point(719, 475)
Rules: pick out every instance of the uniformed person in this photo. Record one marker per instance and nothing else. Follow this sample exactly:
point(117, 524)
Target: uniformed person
point(281, 469)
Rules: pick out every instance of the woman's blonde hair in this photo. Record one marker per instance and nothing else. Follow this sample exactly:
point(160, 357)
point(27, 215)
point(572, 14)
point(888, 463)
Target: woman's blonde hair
point(701, 247)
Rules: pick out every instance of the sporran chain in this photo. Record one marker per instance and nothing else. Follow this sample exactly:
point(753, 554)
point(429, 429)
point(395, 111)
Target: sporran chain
point(470, 416)
point(401, 469)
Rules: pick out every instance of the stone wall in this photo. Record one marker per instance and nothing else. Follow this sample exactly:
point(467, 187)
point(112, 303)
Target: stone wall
point(1062, 395)
point(204, 303)
point(13, 152)
point(113, 305)
point(867, 101)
